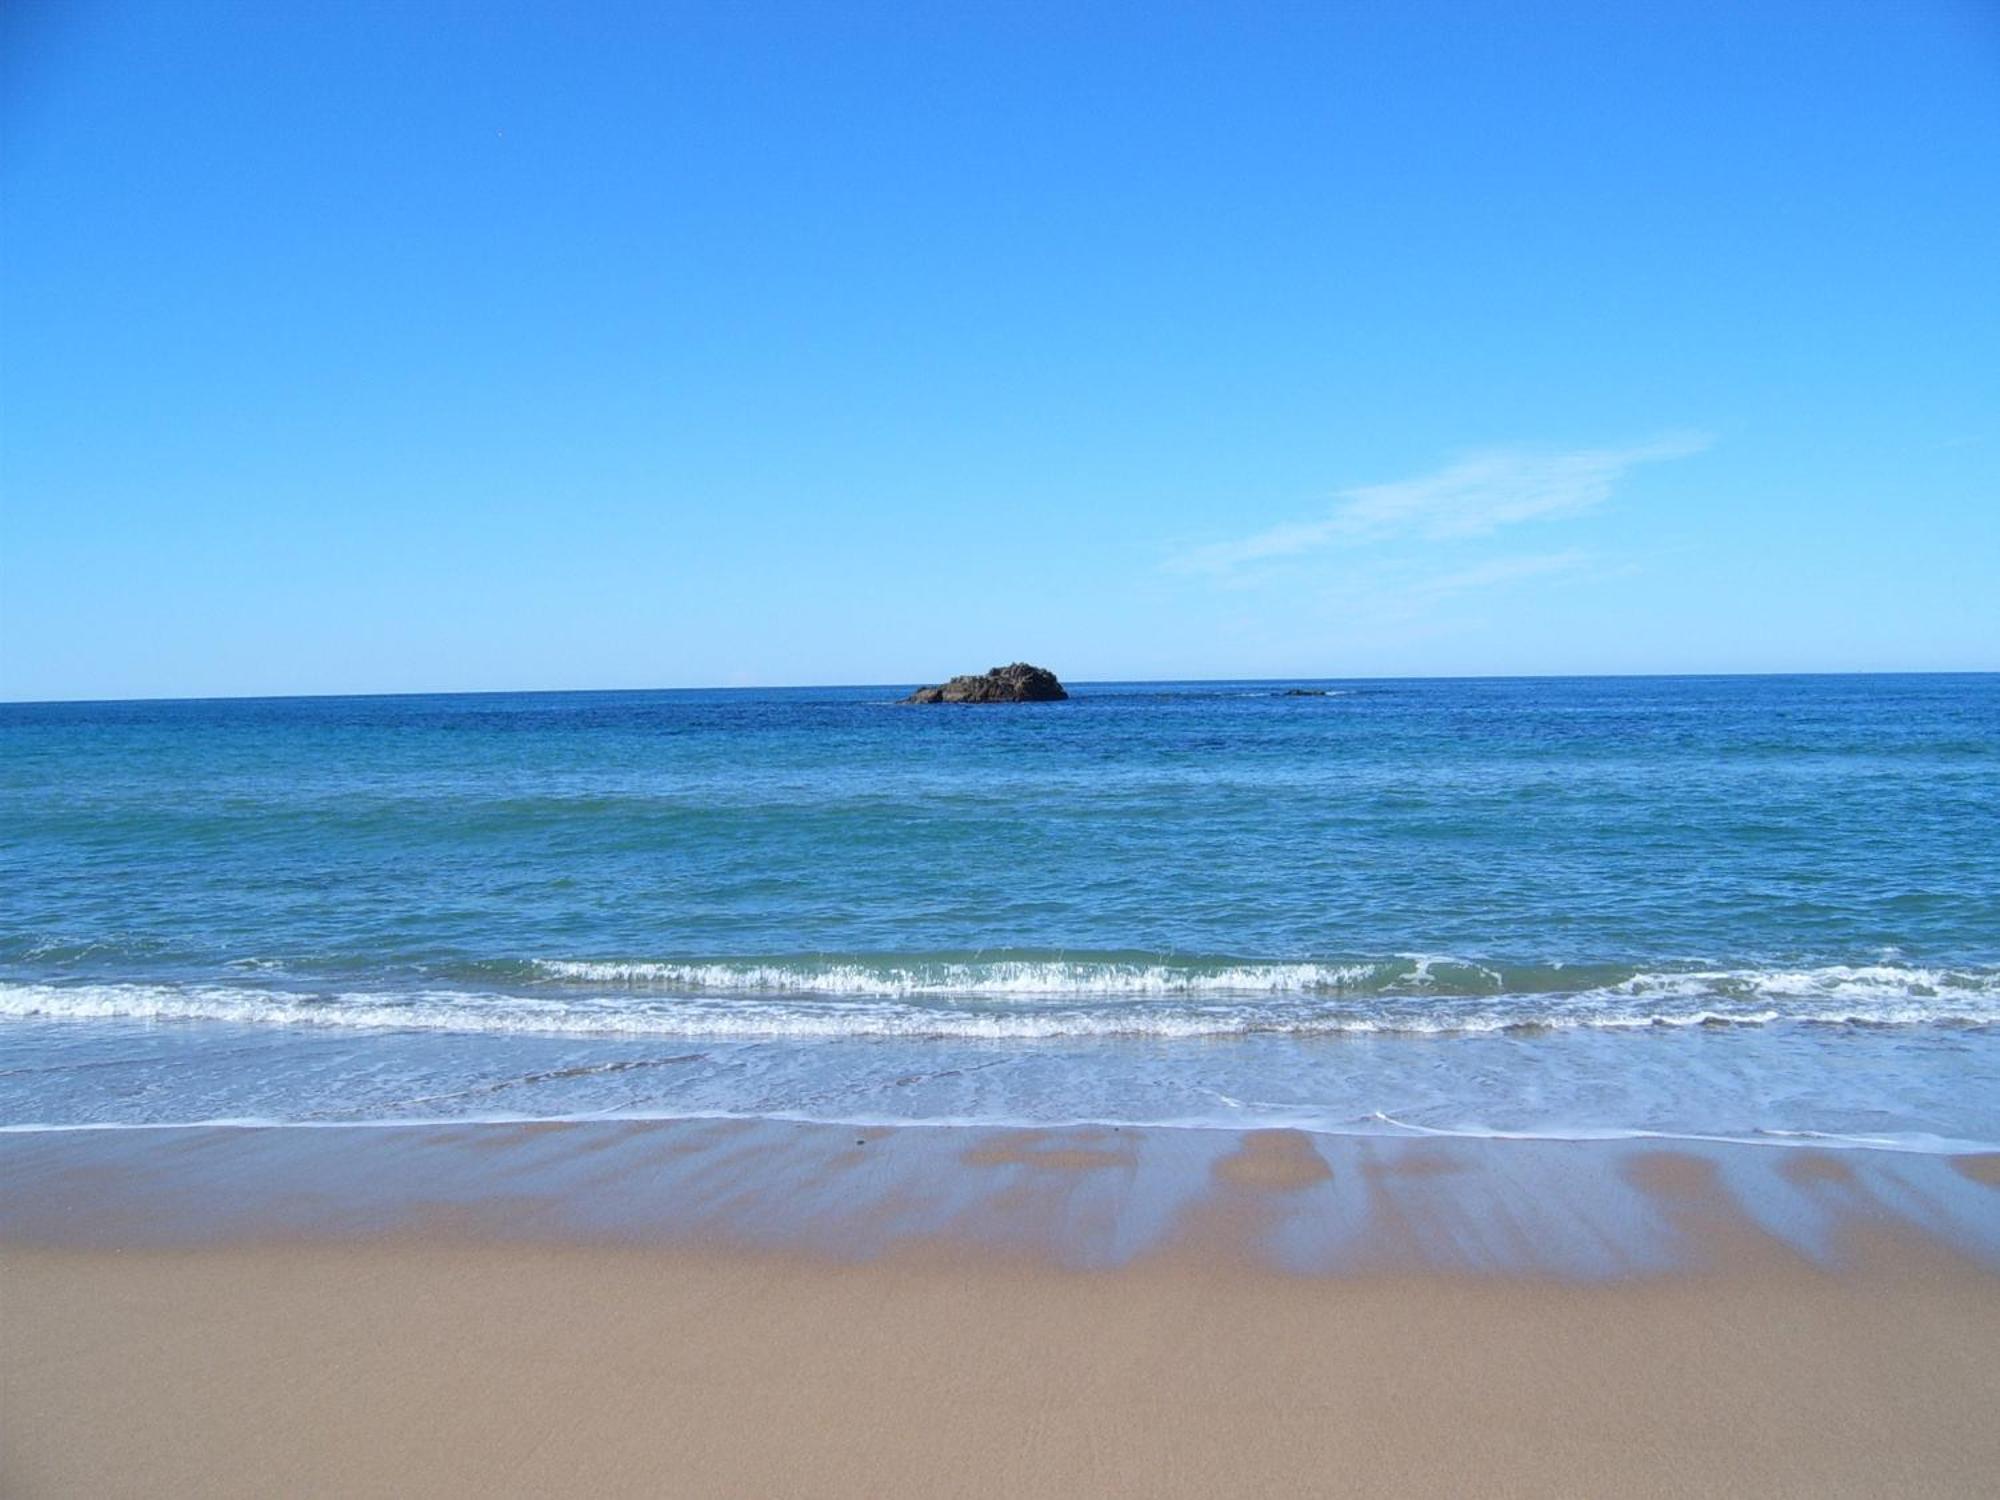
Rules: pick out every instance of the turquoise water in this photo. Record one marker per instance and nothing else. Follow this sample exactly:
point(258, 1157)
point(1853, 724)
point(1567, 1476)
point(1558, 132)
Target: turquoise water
point(1758, 907)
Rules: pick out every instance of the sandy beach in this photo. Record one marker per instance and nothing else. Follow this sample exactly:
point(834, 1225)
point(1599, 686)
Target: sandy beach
point(765, 751)
point(711, 1308)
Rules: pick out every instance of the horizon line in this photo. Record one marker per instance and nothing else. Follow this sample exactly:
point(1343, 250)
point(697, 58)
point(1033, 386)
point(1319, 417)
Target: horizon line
point(792, 687)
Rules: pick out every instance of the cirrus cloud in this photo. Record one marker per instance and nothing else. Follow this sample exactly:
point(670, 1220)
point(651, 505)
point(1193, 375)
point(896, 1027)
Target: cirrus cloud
point(1475, 497)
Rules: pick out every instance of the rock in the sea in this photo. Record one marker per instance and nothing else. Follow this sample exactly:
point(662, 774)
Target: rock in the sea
point(1303, 693)
point(1019, 683)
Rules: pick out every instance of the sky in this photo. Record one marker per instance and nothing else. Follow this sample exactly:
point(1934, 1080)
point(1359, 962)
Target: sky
point(422, 347)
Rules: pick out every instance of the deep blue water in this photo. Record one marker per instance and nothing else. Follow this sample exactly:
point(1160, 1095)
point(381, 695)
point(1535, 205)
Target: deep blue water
point(1721, 905)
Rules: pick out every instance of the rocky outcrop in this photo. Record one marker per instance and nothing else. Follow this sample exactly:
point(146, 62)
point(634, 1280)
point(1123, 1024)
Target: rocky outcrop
point(1019, 683)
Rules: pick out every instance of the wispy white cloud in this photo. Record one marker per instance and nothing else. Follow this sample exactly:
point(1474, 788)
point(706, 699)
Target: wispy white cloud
point(1474, 497)
point(1494, 572)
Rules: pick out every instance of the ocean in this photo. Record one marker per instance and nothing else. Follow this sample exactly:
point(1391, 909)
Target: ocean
point(1755, 908)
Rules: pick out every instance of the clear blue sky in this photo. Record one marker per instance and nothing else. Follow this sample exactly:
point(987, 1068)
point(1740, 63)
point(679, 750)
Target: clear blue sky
point(356, 347)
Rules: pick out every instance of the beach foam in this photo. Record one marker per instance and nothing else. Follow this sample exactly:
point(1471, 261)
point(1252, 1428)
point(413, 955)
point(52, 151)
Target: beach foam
point(1039, 1001)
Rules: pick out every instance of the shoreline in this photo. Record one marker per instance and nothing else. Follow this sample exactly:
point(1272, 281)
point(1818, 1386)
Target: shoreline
point(1321, 1204)
point(767, 1308)
point(1383, 1128)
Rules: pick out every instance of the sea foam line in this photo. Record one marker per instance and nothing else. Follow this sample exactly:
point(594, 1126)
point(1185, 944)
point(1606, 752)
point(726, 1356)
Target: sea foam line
point(993, 977)
point(1406, 974)
point(1833, 997)
point(1915, 1143)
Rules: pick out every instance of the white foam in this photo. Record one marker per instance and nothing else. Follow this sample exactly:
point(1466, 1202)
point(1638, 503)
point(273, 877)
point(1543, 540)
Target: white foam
point(1873, 996)
point(998, 978)
point(1406, 974)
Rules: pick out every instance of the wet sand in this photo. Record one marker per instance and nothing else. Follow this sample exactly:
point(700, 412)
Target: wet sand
point(711, 1308)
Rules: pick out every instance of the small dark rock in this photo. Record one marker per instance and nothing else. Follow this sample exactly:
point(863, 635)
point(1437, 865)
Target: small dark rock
point(1303, 693)
point(1019, 683)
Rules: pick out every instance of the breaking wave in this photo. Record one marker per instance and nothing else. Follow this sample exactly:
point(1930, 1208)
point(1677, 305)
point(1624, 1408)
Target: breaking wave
point(1050, 1000)
point(999, 978)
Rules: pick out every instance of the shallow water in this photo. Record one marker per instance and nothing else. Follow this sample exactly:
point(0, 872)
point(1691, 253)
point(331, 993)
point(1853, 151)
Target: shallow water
point(1746, 907)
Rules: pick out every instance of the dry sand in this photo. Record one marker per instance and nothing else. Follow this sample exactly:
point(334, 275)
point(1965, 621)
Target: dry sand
point(449, 1359)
